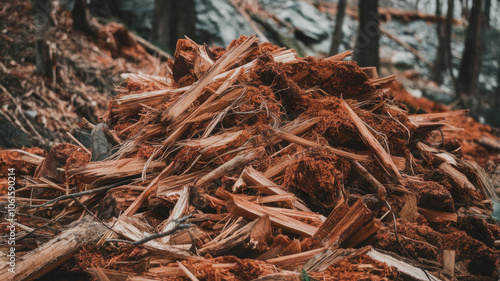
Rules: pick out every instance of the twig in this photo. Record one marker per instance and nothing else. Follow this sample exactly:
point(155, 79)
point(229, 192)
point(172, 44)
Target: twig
point(93, 215)
point(74, 195)
point(187, 272)
point(180, 225)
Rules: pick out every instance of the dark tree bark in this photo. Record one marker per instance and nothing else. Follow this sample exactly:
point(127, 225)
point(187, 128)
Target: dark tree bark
point(487, 9)
point(367, 45)
point(448, 30)
point(470, 65)
point(440, 63)
point(337, 33)
point(45, 23)
point(497, 97)
point(172, 20)
point(82, 19)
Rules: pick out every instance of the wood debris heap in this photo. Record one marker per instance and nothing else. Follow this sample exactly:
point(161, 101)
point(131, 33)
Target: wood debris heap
point(248, 163)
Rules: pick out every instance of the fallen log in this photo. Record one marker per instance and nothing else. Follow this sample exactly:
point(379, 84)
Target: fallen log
point(57, 251)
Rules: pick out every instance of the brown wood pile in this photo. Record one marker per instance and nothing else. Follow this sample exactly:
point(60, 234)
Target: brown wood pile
point(248, 163)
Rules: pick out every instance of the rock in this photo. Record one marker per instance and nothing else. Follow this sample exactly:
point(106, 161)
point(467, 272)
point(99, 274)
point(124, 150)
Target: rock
point(218, 22)
point(101, 148)
point(310, 25)
point(403, 60)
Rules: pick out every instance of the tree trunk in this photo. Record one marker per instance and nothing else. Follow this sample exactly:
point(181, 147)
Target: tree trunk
point(487, 9)
point(43, 11)
point(440, 65)
point(82, 19)
point(337, 33)
point(449, 56)
point(468, 76)
point(172, 21)
point(367, 45)
point(497, 97)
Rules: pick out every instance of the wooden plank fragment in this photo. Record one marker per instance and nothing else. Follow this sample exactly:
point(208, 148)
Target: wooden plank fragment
point(437, 216)
point(457, 176)
point(295, 258)
point(267, 186)
point(403, 267)
point(372, 143)
point(307, 143)
point(188, 273)
point(449, 261)
point(241, 159)
point(252, 211)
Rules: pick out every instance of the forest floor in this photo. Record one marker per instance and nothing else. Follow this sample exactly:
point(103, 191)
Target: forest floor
point(39, 112)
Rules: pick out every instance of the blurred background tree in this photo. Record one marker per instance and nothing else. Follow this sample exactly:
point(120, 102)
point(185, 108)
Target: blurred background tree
point(172, 21)
point(366, 52)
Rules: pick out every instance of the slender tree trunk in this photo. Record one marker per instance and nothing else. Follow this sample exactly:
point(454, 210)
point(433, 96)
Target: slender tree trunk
point(440, 63)
point(367, 45)
point(449, 55)
point(82, 19)
point(487, 9)
point(337, 33)
point(497, 97)
point(173, 20)
point(45, 23)
point(470, 65)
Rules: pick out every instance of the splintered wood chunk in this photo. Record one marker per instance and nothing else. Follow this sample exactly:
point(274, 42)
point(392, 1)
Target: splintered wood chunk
point(241, 159)
point(332, 220)
point(185, 101)
point(307, 143)
point(239, 207)
point(56, 160)
point(457, 176)
point(255, 178)
point(376, 185)
point(370, 71)
point(434, 119)
point(449, 261)
point(437, 216)
point(281, 276)
point(382, 81)
point(404, 268)
point(57, 251)
point(372, 143)
point(176, 213)
point(254, 233)
point(187, 272)
point(325, 259)
point(351, 225)
point(340, 56)
point(295, 258)
point(489, 142)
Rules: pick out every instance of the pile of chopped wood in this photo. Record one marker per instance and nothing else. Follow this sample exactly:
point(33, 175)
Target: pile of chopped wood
point(248, 163)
